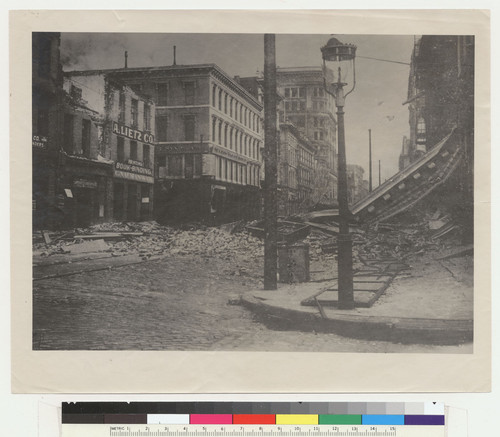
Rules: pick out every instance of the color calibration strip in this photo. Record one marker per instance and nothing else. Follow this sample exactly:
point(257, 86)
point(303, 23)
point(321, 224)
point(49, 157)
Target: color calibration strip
point(229, 413)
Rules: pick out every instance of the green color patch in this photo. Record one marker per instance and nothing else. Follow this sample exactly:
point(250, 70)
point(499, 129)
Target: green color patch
point(339, 419)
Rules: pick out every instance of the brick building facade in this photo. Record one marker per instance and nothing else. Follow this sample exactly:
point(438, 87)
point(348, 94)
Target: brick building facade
point(124, 141)
point(209, 140)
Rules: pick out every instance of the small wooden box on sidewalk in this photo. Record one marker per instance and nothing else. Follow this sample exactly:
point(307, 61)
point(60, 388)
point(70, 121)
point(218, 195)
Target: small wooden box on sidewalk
point(293, 263)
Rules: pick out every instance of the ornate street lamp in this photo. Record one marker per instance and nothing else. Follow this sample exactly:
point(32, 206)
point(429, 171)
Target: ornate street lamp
point(341, 58)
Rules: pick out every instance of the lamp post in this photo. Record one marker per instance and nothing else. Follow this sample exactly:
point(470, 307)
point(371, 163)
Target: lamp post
point(341, 55)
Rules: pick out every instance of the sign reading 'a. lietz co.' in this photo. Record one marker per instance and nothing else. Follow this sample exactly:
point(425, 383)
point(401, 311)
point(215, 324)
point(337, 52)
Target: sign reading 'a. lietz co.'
point(133, 134)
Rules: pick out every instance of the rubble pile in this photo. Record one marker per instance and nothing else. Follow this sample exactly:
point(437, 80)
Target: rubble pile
point(403, 240)
point(150, 239)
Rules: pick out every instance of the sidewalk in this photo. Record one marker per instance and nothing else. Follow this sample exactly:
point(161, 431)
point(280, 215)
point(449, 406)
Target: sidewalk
point(432, 305)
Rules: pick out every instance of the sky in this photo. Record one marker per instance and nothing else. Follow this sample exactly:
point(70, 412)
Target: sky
point(376, 103)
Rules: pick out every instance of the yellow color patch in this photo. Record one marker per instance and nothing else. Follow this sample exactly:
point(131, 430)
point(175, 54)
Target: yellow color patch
point(296, 419)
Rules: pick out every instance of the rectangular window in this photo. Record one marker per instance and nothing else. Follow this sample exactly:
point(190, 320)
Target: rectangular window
point(175, 165)
point(162, 94)
point(134, 113)
point(294, 92)
point(121, 103)
point(147, 117)
point(188, 166)
point(145, 155)
point(161, 161)
point(189, 93)
point(287, 92)
point(161, 127)
point(302, 92)
point(133, 150)
point(120, 150)
point(68, 133)
point(189, 128)
point(86, 137)
point(302, 105)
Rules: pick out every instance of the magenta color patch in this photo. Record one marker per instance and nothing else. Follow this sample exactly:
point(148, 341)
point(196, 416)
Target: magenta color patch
point(211, 419)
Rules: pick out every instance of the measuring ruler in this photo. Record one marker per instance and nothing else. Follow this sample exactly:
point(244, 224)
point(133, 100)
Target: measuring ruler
point(157, 430)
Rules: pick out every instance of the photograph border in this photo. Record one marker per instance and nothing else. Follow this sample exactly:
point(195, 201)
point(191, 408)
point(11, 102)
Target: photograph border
point(252, 372)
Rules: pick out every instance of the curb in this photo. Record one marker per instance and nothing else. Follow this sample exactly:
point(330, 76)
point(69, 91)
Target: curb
point(392, 329)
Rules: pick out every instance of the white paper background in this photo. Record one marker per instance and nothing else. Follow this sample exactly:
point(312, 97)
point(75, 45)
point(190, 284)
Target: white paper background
point(19, 413)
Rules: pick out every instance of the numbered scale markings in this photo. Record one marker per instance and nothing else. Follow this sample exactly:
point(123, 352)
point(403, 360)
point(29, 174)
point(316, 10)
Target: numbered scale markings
point(96, 430)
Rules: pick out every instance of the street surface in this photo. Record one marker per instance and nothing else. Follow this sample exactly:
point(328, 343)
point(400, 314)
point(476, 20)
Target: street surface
point(180, 302)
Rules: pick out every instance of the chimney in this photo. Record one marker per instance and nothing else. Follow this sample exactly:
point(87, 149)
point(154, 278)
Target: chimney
point(175, 57)
point(126, 58)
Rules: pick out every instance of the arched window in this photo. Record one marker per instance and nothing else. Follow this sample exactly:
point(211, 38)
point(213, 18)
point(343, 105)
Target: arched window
point(231, 138)
point(220, 133)
point(231, 107)
point(220, 100)
point(225, 135)
point(225, 103)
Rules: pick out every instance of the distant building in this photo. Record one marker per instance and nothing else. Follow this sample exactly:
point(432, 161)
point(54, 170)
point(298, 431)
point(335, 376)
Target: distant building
point(308, 107)
point(356, 187)
point(209, 137)
point(405, 157)
point(120, 123)
point(295, 171)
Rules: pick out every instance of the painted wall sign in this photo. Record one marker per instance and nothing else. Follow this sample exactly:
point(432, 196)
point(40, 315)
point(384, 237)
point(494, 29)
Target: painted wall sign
point(40, 142)
point(133, 172)
point(84, 183)
point(133, 134)
point(184, 148)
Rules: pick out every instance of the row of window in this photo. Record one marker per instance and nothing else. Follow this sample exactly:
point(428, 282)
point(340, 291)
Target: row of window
point(162, 93)
point(300, 92)
point(305, 158)
point(69, 144)
point(187, 166)
point(121, 155)
point(222, 101)
point(305, 177)
point(234, 139)
point(230, 171)
point(295, 92)
point(134, 113)
point(295, 105)
point(189, 126)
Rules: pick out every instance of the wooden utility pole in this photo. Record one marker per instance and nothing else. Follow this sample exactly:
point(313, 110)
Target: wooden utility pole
point(370, 146)
point(379, 176)
point(271, 167)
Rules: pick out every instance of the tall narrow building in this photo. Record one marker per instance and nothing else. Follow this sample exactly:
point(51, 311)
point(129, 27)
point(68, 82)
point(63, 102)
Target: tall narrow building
point(311, 110)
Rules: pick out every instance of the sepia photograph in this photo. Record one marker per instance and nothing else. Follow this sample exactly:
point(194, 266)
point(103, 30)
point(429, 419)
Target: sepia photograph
point(253, 192)
point(226, 201)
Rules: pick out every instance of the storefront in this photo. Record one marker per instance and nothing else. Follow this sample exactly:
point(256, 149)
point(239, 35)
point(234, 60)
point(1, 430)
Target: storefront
point(85, 190)
point(132, 191)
